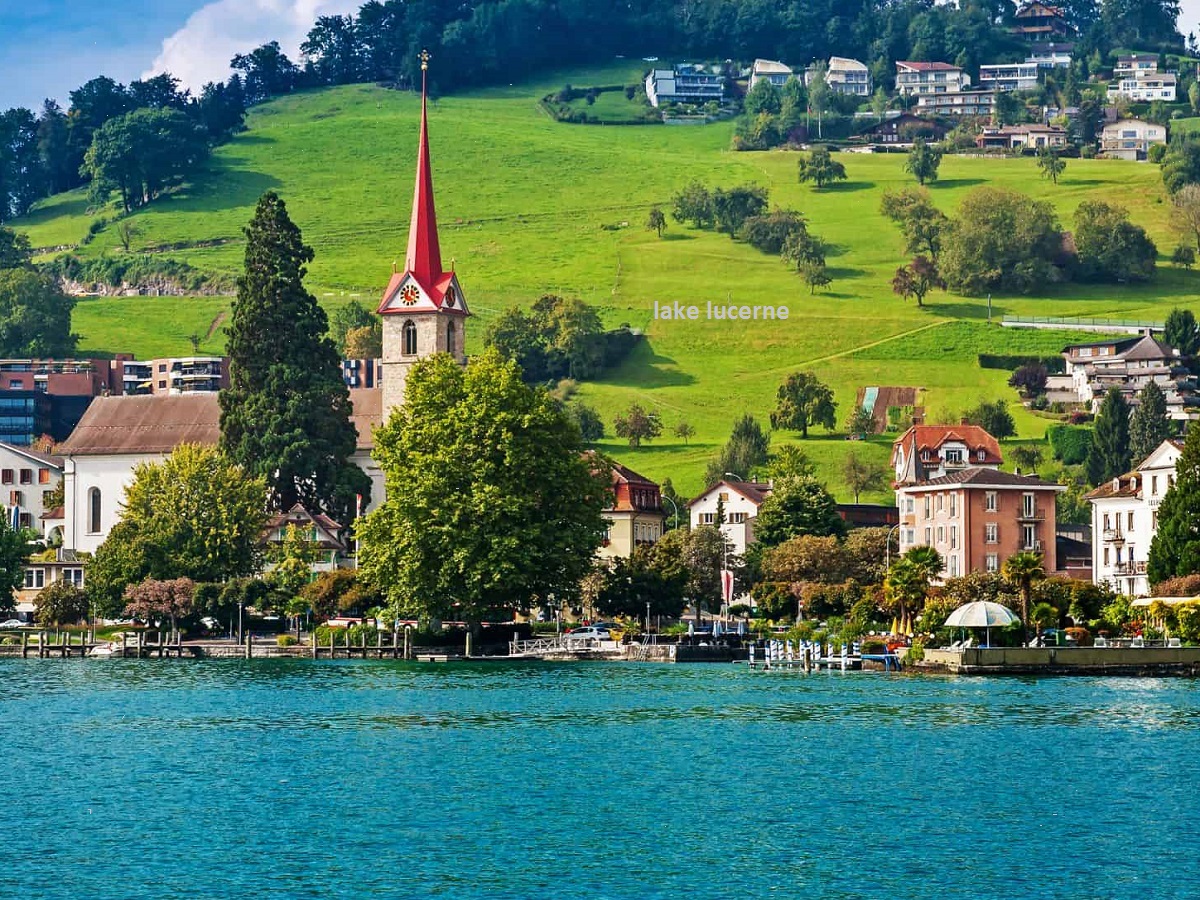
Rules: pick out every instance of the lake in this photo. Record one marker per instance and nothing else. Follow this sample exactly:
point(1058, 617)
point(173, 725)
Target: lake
point(152, 779)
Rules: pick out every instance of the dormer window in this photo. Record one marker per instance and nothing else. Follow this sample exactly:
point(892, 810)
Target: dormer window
point(1116, 484)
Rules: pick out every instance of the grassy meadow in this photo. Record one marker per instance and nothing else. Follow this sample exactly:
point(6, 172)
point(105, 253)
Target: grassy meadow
point(529, 206)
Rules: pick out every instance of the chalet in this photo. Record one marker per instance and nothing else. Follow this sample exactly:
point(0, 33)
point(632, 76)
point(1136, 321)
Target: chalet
point(926, 78)
point(635, 517)
point(900, 130)
point(926, 452)
point(1130, 138)
point(1013, 137)
point(324, 537)
point(1037, 22)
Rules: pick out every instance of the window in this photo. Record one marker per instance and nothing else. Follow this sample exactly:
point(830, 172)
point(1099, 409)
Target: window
point(708, 518)
point(927, 501)
point(992, 562)
point(953, 537)
point(16, 498)
point(93, 496)
point(72, 576)
point(25, 520)
point(989, 501)
point(46, 497)
point(953, 505)
point(941, 534)
point(909, 505)
point(1028, 507)
point(35, 579)
point(43, 476)
point(737, 518)
point(1029, 537)
point(409, 342)
point(991, 533)
point(928, 535)
point(954, 456)
point(910, 536)
point(723, 496)
point(1129, 521)
point(953, 566)
point(1106, 556)
point(6, 476)
point(1106, 523)
point(27, 476)
point(940, 502)
point(450, 338)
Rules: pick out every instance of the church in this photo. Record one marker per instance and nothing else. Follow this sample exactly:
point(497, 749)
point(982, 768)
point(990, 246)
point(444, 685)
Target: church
point(423, 311)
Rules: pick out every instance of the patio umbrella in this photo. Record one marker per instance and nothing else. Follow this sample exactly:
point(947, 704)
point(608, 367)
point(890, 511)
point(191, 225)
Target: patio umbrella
point(981, 614)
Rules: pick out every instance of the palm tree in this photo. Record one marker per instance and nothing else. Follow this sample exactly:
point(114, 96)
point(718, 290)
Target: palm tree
point(1023, 570)
point(909, 578)
point(1044, 616)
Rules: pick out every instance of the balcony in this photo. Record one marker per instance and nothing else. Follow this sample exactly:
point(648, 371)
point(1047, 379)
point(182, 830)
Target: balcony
point(1113, 536)
point(1130, 567)
point(1031, 514)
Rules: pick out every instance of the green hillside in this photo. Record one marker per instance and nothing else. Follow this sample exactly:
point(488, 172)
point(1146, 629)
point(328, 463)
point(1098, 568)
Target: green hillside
point(531, 206)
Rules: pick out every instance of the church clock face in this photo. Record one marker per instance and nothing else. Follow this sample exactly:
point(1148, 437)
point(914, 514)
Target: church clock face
point(410, 294)
point(451, 296)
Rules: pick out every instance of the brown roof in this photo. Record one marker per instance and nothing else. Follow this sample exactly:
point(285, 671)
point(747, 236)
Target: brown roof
point(754, 491)
point(1124, 488)
point(625, 474)
point(57, 512)
point(982, 477)
point(47, 459)
point(145, 424)
point(157, 423)
point(932, 437)
point(928, 66)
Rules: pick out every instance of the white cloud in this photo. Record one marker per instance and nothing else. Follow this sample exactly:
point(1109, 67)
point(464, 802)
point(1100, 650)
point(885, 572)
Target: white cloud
point(200, 51)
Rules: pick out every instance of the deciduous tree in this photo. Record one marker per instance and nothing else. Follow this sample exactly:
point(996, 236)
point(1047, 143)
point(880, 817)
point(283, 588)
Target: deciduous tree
point(861, 475)
point(656, 221)
point(60, 603)
point(797, 506)
point(1110, 247)
point(820, 168)
point(917, 279)
point(637, 425)
point(802, 401)
point(1051, 164)
point(922, 161)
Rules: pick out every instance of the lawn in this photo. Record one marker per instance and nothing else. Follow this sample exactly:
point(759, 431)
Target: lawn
point(530, 206)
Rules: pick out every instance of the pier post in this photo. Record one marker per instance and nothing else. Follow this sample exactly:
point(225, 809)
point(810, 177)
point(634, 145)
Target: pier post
point(24, 645)
point(141, 643)
point(41, 644)
point(249, 645)
point(470, 643)
point(124, 644)
point(332, 645)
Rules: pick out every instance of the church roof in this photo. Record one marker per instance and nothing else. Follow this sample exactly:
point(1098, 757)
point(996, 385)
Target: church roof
point(157, 423)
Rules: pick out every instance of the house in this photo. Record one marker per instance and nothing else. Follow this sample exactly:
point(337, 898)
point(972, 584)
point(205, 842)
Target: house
point(1013, 137)
point(979, 104)
point(978, 517)
point(175, 375)
point(1145, 88)
point(925, 452)
point(1130, 138)
point(1129, 364)
point(1021, 76)
point(737, 503)
point(1041, 22)
point(41, 573)
point(1051, 55)
point(635, 517)
point(685, 83)
point(925, 78)
point(1125, 519)
point(322, 533)
point(845, 76)
point(28, 479)
point(900, 130)
point(1131, 65)
point(775, 72)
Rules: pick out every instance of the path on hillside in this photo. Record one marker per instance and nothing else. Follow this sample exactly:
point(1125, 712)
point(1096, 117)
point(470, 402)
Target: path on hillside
point(848, 352)
point(212, 328)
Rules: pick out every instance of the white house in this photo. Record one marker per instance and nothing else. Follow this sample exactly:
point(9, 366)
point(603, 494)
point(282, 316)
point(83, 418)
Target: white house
point(1009, 76)
point(845, 76)
point(1050, 56)
point(1134, 64)
point(958, 103)
point(738, 502)
point(686, 83)
point(1125, 519)
point(770, 70)
point(924, 78)
point(1129, 364)
point(1130, 138)
point(27, 478)
point(1145, 88)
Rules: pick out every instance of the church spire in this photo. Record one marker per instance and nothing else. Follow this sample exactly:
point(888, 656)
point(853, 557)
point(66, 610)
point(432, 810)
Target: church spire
point(424, 258)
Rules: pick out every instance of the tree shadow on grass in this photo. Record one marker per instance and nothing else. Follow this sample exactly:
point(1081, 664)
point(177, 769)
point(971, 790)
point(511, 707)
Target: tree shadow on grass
point(644, 368)
point(840, 273)
point(218, 190)
point(958, 309)
point(677, 236)
point(955, 183)
point(848, 187)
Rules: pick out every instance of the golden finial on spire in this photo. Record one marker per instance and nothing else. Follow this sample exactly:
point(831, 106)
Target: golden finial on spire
point(424, 60)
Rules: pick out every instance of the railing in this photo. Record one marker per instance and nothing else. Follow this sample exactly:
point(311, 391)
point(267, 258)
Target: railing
point(543, 646)
point(1113, 536)
point(1130, 568)
point(1031, 515)
point(1082, 321)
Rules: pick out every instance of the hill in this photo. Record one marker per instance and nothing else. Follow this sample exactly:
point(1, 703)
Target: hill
point(531, 206)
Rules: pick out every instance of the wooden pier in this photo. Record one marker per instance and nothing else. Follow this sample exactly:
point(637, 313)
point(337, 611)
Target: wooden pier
point(163, 645)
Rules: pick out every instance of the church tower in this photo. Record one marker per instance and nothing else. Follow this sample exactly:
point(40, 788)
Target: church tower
point(423, 308)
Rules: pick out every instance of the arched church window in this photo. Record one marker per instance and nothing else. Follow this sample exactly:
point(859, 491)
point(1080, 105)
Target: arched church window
point(410, 338)
point(450, 338)
point(94, 511)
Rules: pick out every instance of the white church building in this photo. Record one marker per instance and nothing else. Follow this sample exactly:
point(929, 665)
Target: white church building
point(423, 310)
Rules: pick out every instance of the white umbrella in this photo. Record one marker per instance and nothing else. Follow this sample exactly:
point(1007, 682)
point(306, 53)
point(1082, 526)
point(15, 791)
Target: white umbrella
point(981, 614)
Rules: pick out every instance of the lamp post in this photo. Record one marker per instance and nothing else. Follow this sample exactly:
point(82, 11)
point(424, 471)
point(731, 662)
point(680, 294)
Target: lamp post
point(674, 507)
point(887, 550)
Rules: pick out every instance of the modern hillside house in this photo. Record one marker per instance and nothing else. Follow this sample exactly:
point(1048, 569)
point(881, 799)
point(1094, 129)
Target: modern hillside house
point(1146, 88)
point(846, 76)
point(1013, 137)
point(919, 79)
point(685, 83)
point(1132, 65)
point(1130, 138)
point(635, 518)
point(1021, 76)
point(1125, 519)
point(978, 104)
point(1128, 365)
point(769, 70)
point(1051, 55)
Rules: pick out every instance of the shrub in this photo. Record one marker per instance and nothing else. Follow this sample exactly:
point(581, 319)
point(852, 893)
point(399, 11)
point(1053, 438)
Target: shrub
point(873, 645)
point(1179, 586)
point(1055, 365)
point(1081, 636)
point(286, 640)
point(1071, 444)
point(1156, 153)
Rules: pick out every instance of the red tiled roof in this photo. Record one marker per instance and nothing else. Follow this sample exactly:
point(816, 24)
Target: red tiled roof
point(932, 437)
point(929, 66)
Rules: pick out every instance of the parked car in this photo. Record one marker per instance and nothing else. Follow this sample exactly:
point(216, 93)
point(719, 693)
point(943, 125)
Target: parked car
point(11, 623)
point(589, 632)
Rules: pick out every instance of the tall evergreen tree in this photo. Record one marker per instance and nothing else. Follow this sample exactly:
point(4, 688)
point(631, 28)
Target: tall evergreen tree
point(1149, 425)
point(1109, 456)
point(286, 412)
point(1175, 549)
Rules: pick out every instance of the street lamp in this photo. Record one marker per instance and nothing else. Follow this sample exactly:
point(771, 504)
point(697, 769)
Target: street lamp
point(734, 476)
point(887, 550)
point(674, 507)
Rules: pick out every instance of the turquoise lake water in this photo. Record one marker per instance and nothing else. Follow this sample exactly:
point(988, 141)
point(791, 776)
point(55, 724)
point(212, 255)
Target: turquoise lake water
point(290, 778)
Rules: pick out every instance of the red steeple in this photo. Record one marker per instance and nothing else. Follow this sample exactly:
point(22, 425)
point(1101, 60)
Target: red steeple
point(424, 260)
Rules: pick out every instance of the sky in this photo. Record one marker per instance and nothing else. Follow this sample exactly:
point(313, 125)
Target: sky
point(49, 47)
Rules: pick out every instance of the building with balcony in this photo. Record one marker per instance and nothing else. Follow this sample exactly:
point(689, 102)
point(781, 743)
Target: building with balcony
point(770, 70)
point(362, 373)
point(1037, 22)
point(976, 518)
point(925, 452)
point(1131, 65)
point(1145, 88)
point(685, 83)
point(1130, 138)
point(1129, 364)
point(323, 535)
point(977, 104)
point(1051, 55)
point(1021, 76)
point(1016, 137)
point(845, 76)
point(635, 518)
point(175, 375)
point(920, 79)
point(1125, 519)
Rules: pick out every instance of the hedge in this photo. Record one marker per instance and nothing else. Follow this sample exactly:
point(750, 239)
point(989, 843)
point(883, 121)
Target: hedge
point(1010, 362)
point(1070, 443)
